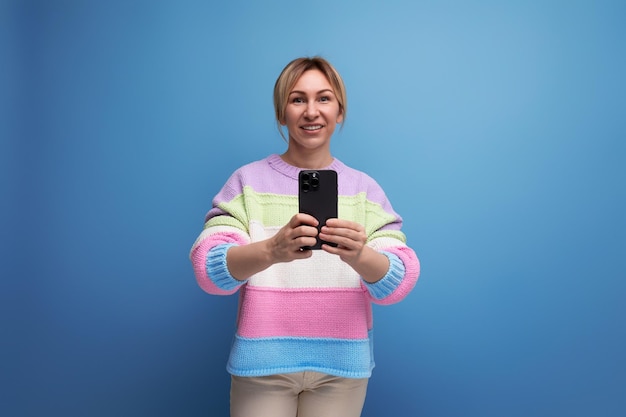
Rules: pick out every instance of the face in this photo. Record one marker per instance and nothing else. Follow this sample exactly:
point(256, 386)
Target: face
point(312, 112)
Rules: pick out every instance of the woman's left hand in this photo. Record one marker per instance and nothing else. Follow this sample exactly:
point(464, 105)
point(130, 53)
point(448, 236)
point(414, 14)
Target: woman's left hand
point(349, 236)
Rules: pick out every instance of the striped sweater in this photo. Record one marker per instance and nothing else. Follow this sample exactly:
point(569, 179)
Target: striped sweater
point(312, 314)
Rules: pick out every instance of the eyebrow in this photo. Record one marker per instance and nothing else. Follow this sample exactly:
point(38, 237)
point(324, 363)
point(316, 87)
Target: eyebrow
point(319, 92)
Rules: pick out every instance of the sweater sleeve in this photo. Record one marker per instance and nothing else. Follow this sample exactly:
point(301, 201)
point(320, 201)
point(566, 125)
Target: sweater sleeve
point(217, 268)
point(383, 226)
point(404, 269)
point(225, 226)
point(387, 285)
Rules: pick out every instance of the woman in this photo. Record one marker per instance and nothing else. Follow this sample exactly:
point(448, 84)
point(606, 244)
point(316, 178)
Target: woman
point(303, 344)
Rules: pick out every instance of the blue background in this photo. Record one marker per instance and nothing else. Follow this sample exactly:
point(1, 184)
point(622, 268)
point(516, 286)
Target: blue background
point(496, 128)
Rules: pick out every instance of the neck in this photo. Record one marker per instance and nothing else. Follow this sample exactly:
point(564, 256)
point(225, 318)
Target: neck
point(316, 160)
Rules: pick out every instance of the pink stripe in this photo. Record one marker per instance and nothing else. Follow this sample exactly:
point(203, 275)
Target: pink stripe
point(334, 312)
point(411, 274)
point(198, 260)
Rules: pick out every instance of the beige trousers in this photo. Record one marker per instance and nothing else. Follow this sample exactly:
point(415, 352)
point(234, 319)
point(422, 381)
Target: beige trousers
point(300, 394)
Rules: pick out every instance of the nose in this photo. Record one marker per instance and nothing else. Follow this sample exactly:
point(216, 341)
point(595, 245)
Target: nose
point(311, 110)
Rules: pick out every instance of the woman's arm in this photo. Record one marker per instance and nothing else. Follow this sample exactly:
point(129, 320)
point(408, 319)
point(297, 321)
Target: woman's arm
point(389, 274)
point(246, 260)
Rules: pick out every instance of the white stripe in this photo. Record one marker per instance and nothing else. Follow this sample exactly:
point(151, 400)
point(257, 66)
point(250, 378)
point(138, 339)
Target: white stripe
point(382, 243)
point(216, 230)
point(321, 270)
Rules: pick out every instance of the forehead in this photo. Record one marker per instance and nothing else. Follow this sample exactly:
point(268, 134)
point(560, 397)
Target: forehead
point(312, 80)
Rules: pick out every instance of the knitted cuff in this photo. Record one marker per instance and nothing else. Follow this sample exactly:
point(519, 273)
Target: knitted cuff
point(392, 279)
point(217, 269)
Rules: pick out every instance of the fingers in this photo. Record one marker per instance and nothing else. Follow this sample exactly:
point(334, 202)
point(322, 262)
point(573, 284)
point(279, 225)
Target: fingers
point(303, 219)
point(344, 233)
point(350, 238)
point(345, 224)
point(342, 242)
point(301, 231)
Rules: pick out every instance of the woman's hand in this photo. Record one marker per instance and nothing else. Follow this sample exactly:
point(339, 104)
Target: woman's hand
point(350, 238)
point(285, 245)
point(247, 260)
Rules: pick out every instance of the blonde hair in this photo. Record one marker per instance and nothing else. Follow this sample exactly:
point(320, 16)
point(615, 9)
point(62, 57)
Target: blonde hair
point(290, 75)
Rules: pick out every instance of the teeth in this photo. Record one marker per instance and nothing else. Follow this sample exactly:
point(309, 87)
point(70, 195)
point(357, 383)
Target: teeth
point(316, 127)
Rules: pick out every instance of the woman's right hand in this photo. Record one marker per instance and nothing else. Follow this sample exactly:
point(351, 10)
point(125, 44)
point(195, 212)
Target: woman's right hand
point(246, 260)
point(285, 246)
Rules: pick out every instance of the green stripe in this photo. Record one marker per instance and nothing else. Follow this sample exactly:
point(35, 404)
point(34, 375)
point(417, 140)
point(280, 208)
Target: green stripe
point(395, 234)
point(276, 210)
point(226, 221)
point(359, 209)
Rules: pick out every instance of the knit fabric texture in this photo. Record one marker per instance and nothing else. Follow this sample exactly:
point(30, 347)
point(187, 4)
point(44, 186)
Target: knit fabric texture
point(312, 314)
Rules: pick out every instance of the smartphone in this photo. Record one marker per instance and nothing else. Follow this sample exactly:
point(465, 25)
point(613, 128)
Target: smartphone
point(317, 196)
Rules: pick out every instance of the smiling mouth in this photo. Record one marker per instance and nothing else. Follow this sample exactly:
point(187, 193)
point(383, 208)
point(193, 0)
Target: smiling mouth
point(312, 127)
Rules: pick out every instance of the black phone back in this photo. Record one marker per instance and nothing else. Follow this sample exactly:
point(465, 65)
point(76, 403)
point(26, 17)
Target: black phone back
point(317, 196)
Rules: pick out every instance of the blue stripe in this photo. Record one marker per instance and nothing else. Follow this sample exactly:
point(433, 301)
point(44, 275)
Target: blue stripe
point(387, 285)
point(269, 356)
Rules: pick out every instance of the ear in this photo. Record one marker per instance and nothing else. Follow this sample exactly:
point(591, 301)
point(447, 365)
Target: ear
point(340, 116)
point(282, 122)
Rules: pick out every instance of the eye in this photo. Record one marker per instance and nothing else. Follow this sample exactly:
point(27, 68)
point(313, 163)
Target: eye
point(324, 99)
point(297, 100)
